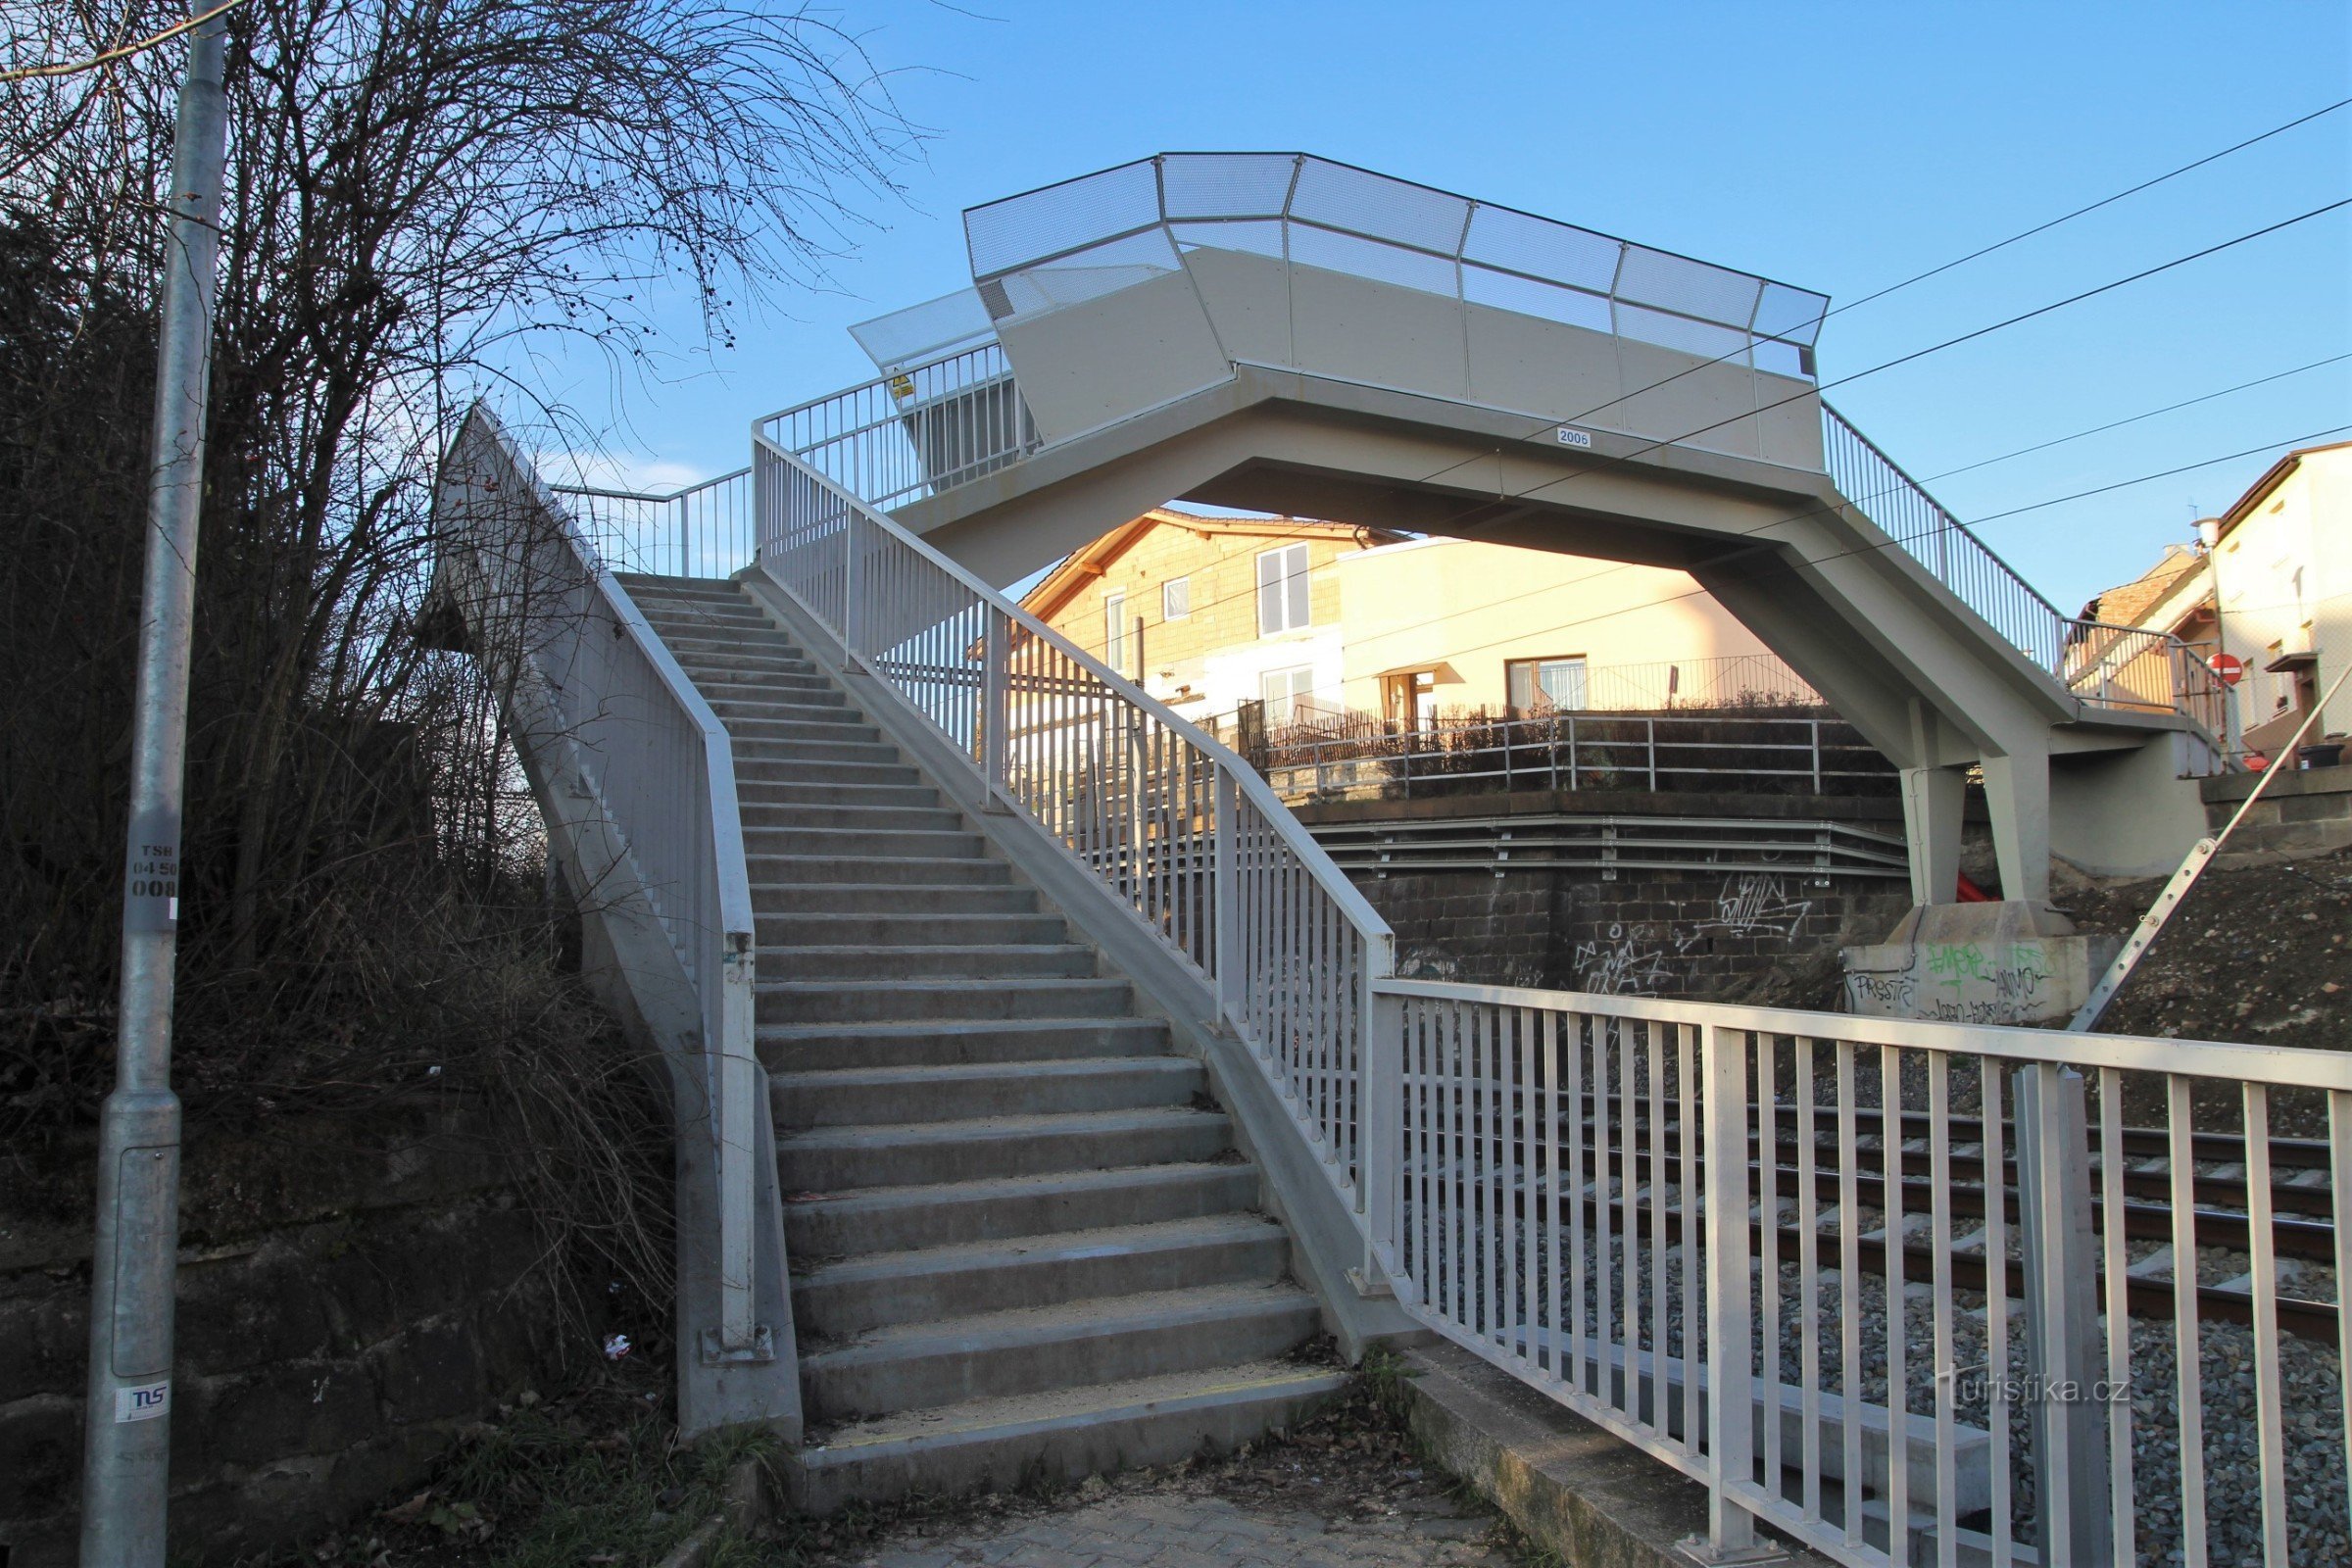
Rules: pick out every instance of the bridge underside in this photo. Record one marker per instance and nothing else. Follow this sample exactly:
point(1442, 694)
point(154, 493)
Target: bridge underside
point(1925, 679)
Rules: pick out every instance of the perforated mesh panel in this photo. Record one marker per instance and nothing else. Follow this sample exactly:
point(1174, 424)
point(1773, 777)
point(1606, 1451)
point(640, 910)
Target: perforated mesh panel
point(1257, 236)
point(1366, 258)
point(1382, 208)
point(1019, 229)
point(1686, 287)
point(1352, 221)
point(1576, 257)
point(923, 331)
point(1793, 313)
point(1227, 185)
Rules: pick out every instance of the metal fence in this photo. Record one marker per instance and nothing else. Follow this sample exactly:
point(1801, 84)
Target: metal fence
point(704, 530)
point(1608, 844)
point(1585, 750)
point(1184, 833)
point(2106, 666)
point(1911, 1293)
point(914, 432)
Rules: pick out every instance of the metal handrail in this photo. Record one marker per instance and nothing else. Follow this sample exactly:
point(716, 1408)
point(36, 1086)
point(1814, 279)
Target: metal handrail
point(717, 937)
point(1584, 1179)
point(1182, 830)
point(702, 530)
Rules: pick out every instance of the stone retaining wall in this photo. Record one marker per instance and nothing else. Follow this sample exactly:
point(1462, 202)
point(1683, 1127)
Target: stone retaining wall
point(349, 1296)
point(2301, 814)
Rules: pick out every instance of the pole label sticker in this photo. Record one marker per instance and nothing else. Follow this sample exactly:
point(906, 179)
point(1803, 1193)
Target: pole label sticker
point(151, 877)
point(1569, 436)
point(147, 1403)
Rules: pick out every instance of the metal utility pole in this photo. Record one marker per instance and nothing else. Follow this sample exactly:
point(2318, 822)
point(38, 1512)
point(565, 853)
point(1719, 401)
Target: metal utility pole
point(127, 1447)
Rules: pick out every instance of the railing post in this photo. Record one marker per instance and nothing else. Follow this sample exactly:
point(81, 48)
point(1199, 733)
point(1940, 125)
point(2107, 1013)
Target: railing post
point(850, 616)
point(995, 709)
point(1225, 901)
point(734, 1077)
point(2063, 1363)
point(1651, 725)
point(1815, 724)
point(1724, 1229)
point(1380, 1130)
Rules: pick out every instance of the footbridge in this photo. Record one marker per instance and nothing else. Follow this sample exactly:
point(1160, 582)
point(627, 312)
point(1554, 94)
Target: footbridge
point(1284, 333)
point(1044, 1093)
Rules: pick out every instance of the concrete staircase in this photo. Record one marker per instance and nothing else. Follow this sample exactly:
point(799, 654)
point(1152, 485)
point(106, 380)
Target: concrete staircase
point(1023, 1244)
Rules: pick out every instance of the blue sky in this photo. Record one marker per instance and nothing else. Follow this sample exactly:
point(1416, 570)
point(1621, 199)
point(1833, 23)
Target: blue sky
point(1841, 146)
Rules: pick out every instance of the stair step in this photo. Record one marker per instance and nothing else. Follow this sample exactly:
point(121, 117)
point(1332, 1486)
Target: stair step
point(810, 736)
point(802, 837)
point(932, 819)
point(859, 1295)
point(1065, 960)
point(925, 1153)
point(827, 1046)
point(861, 1097)
point(905, 1218)
point(740, 665)
point(731, 646)
point(791, 745)
point(1031, 1350)
point(824, 773)
point(763, 699)
point(946, 999)
point(1064, 1436)
point(771, 794)
point(771, 897)
point(781, 932)
point(909, 871)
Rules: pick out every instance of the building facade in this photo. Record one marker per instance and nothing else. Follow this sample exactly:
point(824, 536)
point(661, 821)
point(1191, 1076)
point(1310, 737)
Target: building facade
point(1322, 619)
point(2270, 582)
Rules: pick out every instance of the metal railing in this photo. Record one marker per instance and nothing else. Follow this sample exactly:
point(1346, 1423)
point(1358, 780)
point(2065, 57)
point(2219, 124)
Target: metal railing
point(2108, 666)
point(1688, 1222)
point(1184, 833)
point(585, 672)
point(1587, 751)
point(913, 433)
point(704, 530)
point(1608, 844)
point(1115, 227)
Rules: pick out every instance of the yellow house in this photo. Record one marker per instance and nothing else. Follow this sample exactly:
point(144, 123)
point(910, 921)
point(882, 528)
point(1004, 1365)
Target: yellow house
point(1318, 619)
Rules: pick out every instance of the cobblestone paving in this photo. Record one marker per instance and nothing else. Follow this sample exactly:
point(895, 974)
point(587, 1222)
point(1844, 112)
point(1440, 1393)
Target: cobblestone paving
point(1171, 1526)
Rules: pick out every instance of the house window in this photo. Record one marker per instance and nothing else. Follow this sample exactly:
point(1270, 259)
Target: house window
point(1115, 631)
point(1288, 694)
point(1176, 598)
point(1282, 600)
point(1536, 685)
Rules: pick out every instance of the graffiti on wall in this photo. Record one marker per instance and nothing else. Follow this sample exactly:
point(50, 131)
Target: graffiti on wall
point(1640, 959)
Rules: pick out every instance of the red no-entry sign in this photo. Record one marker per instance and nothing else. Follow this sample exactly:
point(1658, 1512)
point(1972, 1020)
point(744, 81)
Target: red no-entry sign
point(2228, 668)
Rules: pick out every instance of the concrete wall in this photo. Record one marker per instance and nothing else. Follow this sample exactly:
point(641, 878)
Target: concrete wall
point(350, 1295)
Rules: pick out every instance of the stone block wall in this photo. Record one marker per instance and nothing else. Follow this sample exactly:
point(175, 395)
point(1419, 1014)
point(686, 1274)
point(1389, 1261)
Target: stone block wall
point(1722, 936)
point(2308, 811)
point(350, 1297)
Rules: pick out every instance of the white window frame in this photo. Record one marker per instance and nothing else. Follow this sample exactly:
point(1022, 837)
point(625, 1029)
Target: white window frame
point(1176, 598)
point(1282, 707)
point(1115, 630)
point(1536, 689)
point(1285, 602)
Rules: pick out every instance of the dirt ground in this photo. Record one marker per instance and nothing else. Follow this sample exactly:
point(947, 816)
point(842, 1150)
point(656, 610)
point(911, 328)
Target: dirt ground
point(2262, 954)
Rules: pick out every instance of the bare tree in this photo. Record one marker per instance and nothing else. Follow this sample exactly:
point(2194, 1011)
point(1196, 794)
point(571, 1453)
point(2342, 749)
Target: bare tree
point(423, 195)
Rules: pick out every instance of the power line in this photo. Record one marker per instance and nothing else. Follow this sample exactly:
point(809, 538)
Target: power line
point(1978, 254)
